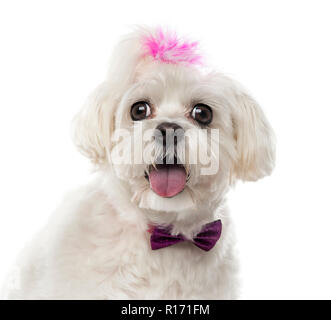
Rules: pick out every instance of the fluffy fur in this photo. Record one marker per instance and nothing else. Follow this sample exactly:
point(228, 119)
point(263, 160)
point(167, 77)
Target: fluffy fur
point(96, 245)
point(168, 48)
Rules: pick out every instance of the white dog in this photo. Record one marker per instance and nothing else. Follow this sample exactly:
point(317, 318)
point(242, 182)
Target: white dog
point(146, 227)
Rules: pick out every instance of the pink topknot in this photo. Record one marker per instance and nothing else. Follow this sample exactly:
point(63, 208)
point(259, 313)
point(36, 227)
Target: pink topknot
point(168, 48)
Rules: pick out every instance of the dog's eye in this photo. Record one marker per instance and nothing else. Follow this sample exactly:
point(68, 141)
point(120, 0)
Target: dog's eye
point(140, 111)
point(202, 114)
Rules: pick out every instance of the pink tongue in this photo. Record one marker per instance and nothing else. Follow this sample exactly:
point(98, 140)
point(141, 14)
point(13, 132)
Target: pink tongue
point(167, 180)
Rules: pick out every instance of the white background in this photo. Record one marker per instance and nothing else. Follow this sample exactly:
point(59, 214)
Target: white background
point(53, 53)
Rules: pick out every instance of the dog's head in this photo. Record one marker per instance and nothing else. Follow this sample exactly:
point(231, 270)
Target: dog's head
point(175, 133)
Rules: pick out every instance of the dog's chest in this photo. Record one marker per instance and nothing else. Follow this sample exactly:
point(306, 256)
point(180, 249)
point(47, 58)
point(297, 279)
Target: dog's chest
point(133, 270)
point(109, 259)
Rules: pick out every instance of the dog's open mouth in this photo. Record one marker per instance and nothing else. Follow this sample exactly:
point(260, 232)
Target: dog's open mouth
point(167, 180)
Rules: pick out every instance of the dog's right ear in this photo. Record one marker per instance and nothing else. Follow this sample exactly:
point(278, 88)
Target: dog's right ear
point(93, 125)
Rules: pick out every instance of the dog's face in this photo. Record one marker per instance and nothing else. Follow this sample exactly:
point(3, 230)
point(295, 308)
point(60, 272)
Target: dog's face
point(177, 136)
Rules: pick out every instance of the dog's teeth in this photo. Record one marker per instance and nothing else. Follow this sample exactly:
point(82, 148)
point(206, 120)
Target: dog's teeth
point(187, 169)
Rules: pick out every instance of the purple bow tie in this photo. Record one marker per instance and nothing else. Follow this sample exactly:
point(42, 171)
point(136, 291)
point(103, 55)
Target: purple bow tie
point(205, 239)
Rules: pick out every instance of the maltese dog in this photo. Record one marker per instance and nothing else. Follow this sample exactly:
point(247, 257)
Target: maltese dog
point(167, 136)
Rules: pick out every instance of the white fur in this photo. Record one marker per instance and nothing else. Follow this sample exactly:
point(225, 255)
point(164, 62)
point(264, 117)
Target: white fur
point(96, 245)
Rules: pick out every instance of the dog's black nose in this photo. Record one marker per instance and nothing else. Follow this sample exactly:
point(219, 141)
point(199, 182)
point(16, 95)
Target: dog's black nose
point(169, 132)
point(168, 125)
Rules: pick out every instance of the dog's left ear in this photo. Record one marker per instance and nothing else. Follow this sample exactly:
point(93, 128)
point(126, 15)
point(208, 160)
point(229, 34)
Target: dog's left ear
point(254, 137)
